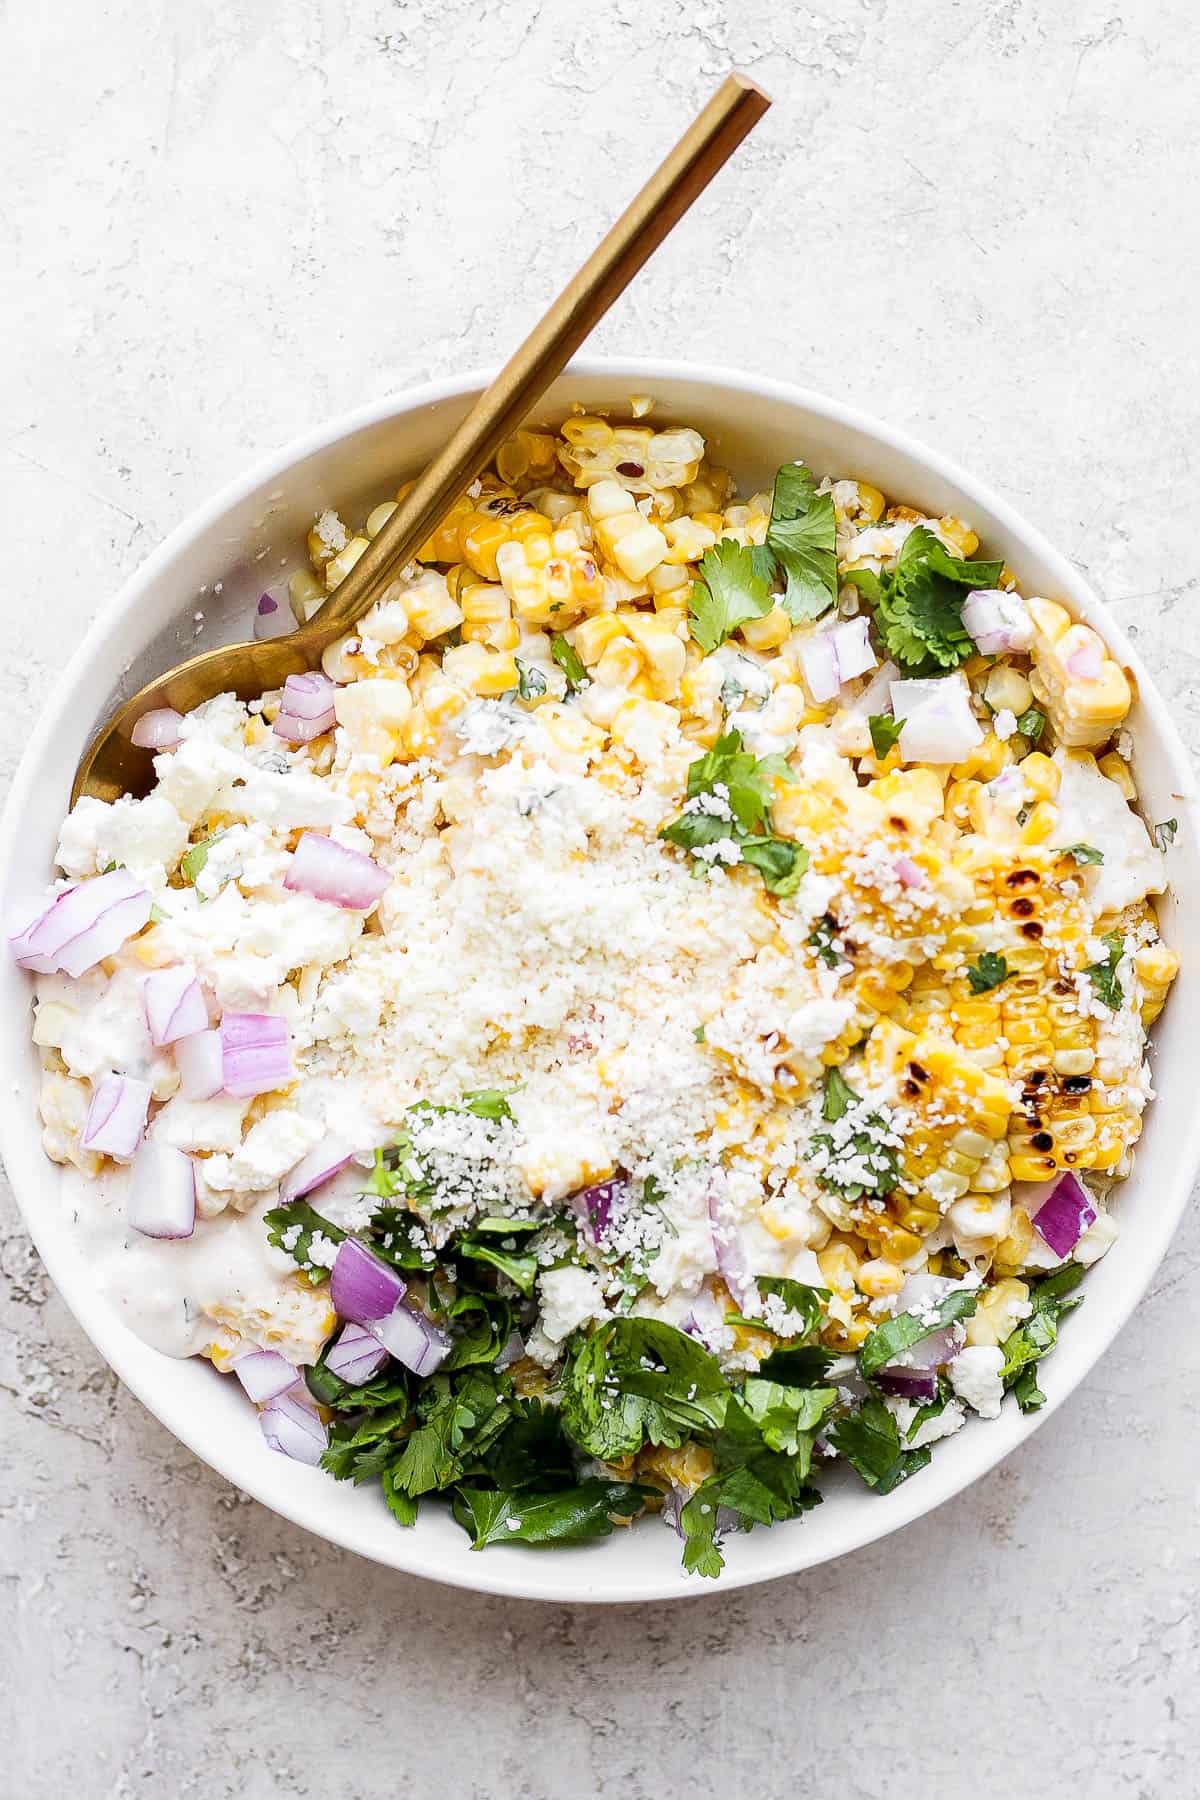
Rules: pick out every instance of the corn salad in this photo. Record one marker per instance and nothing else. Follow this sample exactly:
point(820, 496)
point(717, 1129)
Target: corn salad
point(670, 992)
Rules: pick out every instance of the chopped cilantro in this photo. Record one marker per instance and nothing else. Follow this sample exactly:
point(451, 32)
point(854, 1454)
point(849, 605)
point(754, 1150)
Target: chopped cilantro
point(1031, 724)
point(569, 661)
point(900, 1333)
point(1037, 1335)
point(293, 1227)
point(838, 1096)
point(918, 604)
point(869, 1439)
point(802, 536)
point(988, 972)
point(1083, 853)
point(699, 1034)
point(885, 733)
point(195, 858)
point(729, 800)
point(531, 683)
point(1103, 975)
point(523, 1270)
point(865, 1162)
point(821, 939)
point(574, 1515)
point(726, 594)
point(1164, 832)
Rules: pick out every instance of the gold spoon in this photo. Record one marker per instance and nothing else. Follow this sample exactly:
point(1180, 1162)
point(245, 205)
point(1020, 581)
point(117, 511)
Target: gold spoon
point(113, 765)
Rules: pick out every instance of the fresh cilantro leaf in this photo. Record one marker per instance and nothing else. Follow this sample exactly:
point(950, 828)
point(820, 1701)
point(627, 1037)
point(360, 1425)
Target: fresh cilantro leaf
point(885, 733)
point(808, 1303)
point(900, 1333)
point(726, 594)
point(569, 661)
point(195, 858)
point(788, 1418)
point(988, 972)
point(388, 1388)
point(729, 796)
point(919, 603)
point(1037, 1335)
point(480, 1326)
point(639, 1380)
point(402, 1506)
point(384, 1182)
point(360, 1449)
point(699, 1034)
point(779, 861)
point(532, 1451)
point(933, 1410)
point(1164, 832)
point(521, 1270)
point(805, 1366)
point(1031, 724)
point(459, 1417)
point(1083, 853)
point(821, 939)
point(802, 535)
point(838, 1096)
point(497, 1225)
point(531, 683)
point(299, 1224)
point(485, 1103)
point(1103, 975)
point(575, 1515)
point(869, 1439)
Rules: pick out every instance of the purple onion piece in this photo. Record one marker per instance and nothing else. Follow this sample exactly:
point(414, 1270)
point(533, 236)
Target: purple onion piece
point(908, 1384)
point(356, 1357)
point(599, 1205)
point(1065, 1215)
point(363, 1287)
point(265, 1374)
point(412, 1339)
point(255, 1054)
point(293, 1428)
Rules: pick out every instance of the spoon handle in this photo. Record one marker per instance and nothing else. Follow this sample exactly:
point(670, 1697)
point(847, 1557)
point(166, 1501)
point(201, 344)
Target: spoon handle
point(680, 179)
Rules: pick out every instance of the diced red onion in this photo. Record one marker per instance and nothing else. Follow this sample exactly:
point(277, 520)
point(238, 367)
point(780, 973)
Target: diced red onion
point(939, 726)
point(852, 647)
point(908, 873)
point(157, 729)
point(162, 1192)
point(116, 1117)
point(1065, 1214)
point(270, 619)
point(319, 1166)
point(908, 1384)
point(876, 696)
point(1086, 663)
point(731, 1258)
point(306, 709)
point(174, 1004)
point(818, 659)
point(363, 1287)
point(328, 871)
point(255, 1053)
point(84, 924)
point(356, 1356)
point(264, 1374)
point(293, 1428)
point(412, 1339)
point(597, 1205)
point(201, 1065)
point(997, 621)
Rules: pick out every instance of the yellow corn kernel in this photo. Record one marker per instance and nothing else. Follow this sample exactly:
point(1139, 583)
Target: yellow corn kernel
point(483, 672)
point(1013, 1247)
point(305, 594)
point(769, 632)
point(1087, 694)
point(378, 517)
point(372, 714)
point(663, 650)
point(913, 796)
point(1156, 967)
point(1042, 777)
point(986, 761)
point(643, 725)
point(668, 582)
point(640, 550)
point(871, 501)
point(959, 534)
point(687, 539)
point(569, 728)
point(442, 701)
point(839, 1265)
point(609, 500)
point(878, 1277)
point(1118, 770)
point(484, 604)
point(480, 537)
point(593, 636)
point(432, 610)
point(620, 665)
point(445, 544)
point(999, 1311)
point(1007, 687)
point(1041, 823)
point(339, 566)
point(587, 433)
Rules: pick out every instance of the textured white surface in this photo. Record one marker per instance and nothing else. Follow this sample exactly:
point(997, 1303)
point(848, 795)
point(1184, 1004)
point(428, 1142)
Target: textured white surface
point(223, 222)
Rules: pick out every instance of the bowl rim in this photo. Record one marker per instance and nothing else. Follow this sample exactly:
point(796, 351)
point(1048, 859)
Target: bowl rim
point(782, 1553)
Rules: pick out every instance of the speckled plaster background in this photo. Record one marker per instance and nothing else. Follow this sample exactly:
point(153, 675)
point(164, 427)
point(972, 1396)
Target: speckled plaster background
point(225, 219)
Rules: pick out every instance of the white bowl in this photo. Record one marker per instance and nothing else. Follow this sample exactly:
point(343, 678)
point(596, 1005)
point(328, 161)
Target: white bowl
point(244, 539)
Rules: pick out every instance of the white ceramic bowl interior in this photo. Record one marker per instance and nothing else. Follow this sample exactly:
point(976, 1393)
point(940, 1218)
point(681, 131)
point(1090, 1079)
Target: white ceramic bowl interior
point(248, 538)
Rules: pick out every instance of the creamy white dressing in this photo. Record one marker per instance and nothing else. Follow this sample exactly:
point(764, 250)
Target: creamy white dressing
point(1093, 810)
point(162, 1287)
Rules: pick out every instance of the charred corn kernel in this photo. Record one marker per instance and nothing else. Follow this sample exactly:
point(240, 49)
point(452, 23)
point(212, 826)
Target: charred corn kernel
point(640, 550)
point(1156, 968)
point(959, 535)
point(1007, 687)
point(878, 1278)
point(912, 796)
point(1118, 770)
point(1087, 695)
point(431, 610)
point(339, 566)
point(769, 632)
point(479, 539)
point(1042, 777)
